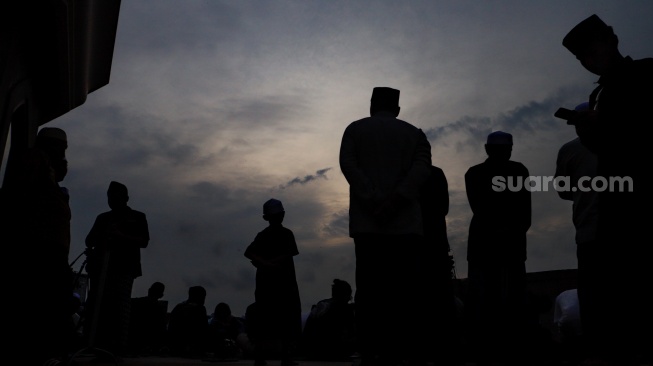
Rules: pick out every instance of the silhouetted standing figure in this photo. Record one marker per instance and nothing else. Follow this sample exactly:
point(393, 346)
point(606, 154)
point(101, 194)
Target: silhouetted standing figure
point(36, 231)
point(189, 325)
point(436, 283)
point(278, 306)
point(498, 194)
point(116, 239)
point(385, 161)
point(575, 166)
point(617, 128)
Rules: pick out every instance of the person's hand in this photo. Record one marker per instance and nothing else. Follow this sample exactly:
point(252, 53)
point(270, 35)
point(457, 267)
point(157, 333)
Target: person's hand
point(262, 263)
point(389, 207)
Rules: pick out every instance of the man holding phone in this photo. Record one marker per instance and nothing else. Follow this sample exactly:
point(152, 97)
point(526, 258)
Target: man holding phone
point(566, 114)
point(576, 162)
point(617, 127)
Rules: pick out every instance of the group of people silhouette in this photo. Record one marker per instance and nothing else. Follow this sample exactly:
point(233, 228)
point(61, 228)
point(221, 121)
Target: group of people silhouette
point(36, 217)
point(190, 331)
point(397, 219)
point(386, 161)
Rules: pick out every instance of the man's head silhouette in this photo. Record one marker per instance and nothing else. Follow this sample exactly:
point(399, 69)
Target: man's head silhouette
point(590, 29)
point(117, 195)
point(54, 142)
point(384, 99)
point(594, 44)
point(499, 145)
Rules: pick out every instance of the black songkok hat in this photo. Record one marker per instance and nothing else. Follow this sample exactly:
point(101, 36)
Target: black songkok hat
point(118, 188)
point(385, 97)
point(586, 31)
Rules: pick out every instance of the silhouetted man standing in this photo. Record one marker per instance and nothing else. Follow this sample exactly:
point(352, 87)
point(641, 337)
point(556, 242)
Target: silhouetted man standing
point(116, 237)
point(496, 249)
point(575, 166)
point(618, 128)
point(385, 161)
point(36, 225)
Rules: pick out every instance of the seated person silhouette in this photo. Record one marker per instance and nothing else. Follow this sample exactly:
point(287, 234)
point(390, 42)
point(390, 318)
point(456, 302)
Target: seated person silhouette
point(148, 321)
point(329, 333)
point(251, 321)
point(188, 325)
point(224, 332)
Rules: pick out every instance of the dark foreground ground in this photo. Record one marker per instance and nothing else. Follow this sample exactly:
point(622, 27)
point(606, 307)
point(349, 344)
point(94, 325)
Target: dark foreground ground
point(91, 360)
point(176, 361)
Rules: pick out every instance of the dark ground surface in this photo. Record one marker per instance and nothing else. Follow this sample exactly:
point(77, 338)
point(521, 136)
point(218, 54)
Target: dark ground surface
point(87, 359)
point(175, 361)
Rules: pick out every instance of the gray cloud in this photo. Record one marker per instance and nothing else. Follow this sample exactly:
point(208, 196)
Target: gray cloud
point(167, 24)
point(338, 226)
point(265, 113)
point(319, 174)
point(528, 119)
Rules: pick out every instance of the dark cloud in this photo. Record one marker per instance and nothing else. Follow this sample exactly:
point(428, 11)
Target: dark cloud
point(119, 137)
point(210, 193)
point(186, 228)
point(530, 118)
point(176, 25)
point(338, 226)
point(319, 174)
point(267, 112)
point(307, 276)
point(229, 279)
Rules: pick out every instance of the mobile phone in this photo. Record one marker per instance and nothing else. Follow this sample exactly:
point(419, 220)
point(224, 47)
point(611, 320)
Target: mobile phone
point(565, 113)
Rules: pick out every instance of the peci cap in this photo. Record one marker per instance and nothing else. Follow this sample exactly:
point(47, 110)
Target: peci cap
point(272, 206)
point(118, 188)
point(499, 138)
point(590, 29)
point(385, 97)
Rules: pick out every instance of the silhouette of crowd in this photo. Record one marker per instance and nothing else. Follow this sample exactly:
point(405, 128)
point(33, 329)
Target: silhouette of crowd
point(404, 310)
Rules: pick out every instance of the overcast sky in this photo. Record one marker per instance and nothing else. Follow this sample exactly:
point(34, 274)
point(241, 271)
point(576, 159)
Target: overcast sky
point(213, 107)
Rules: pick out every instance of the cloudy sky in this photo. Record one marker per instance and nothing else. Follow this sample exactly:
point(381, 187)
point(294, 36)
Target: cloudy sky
point(213, 107)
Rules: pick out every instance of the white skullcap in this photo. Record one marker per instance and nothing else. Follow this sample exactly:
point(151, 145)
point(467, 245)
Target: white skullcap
point(53, 133)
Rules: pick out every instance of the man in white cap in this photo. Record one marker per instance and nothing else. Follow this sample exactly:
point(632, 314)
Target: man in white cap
point(385, 161)
point(496, 250)
point(618, 127)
